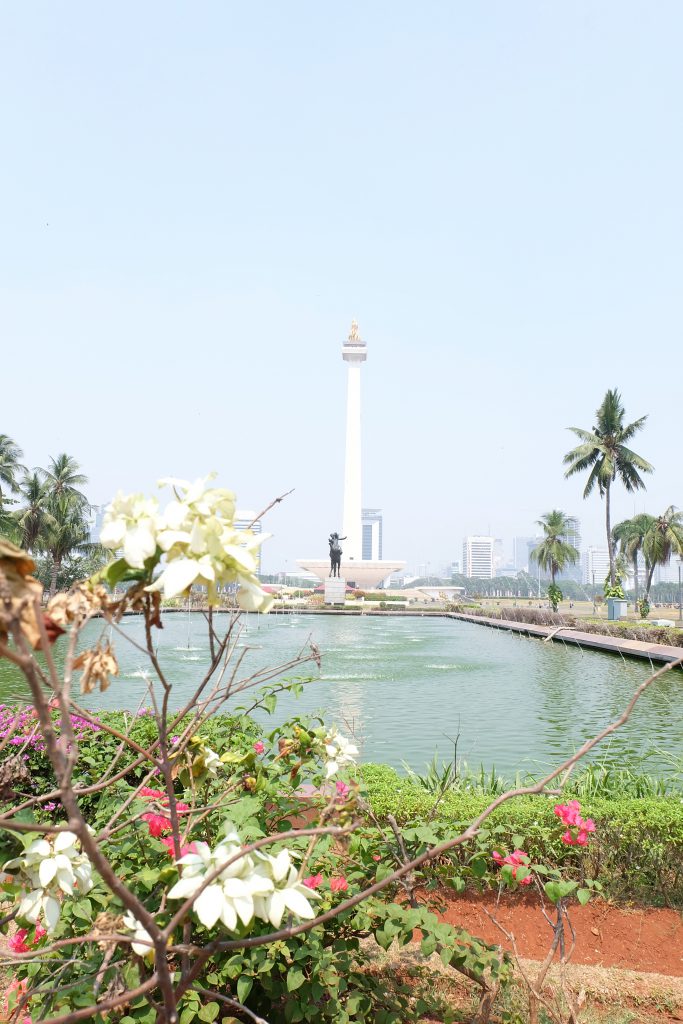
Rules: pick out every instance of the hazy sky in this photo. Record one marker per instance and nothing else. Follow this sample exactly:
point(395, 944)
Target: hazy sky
point(196, 199)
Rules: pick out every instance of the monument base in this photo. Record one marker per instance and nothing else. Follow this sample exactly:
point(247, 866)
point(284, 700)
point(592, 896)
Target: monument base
point(360, 574)
point(335, 590)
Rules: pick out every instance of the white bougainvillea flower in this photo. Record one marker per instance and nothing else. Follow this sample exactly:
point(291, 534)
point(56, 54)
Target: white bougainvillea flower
point(131, 523)
point(142, 943)
point(52, 868)
point(212, 761)
point(338, 752)
point(261, 886)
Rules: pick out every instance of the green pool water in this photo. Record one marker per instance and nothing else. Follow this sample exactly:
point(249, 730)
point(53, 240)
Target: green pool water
point(408, 686)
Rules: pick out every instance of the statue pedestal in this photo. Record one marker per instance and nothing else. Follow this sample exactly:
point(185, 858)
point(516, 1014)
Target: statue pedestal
point(335, 590)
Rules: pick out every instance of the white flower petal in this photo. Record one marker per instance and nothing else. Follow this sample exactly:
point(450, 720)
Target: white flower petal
point(298, 904)
point(185, 887)
point(178, 575)
point(208, 905)
point(47, 871)
point(51, 911)
point(276, 908)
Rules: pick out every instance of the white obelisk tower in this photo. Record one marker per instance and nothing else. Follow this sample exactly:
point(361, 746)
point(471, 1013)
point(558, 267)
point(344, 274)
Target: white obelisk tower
point(354, 354)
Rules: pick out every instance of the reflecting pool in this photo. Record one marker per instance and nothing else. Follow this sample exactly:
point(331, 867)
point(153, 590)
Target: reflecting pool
point(407, 687)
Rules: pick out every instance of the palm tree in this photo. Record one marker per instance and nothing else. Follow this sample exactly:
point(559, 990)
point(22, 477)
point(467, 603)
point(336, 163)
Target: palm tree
point(35, 518)
point(64, 477)
point(554, 553)
point(664, 537)
point(67, 535)
point(630, 535)
point(10, 467)
point(604, 452)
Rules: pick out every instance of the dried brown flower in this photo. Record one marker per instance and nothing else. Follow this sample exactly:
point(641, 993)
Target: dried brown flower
point(98, 665)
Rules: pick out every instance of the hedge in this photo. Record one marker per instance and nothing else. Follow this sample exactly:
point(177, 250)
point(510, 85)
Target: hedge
point(636, 851)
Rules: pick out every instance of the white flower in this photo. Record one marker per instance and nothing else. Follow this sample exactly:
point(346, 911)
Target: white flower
point(338, 751)
point(261, 886)
point(130, 522)
point(52, 869)
point(142, 943)
point(212, 761)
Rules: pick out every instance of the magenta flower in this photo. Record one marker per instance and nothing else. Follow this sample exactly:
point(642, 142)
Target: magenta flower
point(339, 884)
point(259, 747)
point(342, 789)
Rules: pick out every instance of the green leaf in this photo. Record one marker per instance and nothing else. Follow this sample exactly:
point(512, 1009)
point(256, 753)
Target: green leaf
point(517, 841)
point(270, 703)
point(553, 891)
point(478, 866)
point(295, 979)
point(187, 1015)
point(244, 985)
point(209, 1012)
point(82, 909)
point(583, 896)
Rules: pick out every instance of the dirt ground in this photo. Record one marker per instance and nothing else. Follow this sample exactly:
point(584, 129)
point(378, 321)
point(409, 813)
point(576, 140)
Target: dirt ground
point(638, 939)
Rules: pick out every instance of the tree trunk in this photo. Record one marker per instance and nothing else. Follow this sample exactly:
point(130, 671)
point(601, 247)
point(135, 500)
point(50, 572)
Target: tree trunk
point(635, 575)
point(610, 545)
point(56, 566)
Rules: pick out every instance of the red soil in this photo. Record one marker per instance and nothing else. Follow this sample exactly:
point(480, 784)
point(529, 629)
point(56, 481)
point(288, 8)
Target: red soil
point(638, 939)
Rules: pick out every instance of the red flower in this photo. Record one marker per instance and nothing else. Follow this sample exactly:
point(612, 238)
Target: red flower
point(339, 884)
point(157, 824)
point(259, 746)
point(168, 843)
point(156, 793)
point(17, 942)
point(313, 881)
point(376, 856)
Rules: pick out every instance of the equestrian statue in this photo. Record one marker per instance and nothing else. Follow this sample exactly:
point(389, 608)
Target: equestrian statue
point(335, 553)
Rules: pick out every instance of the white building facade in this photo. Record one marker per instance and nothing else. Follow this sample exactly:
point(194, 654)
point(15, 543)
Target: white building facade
point(594, 566)
point(477, 557)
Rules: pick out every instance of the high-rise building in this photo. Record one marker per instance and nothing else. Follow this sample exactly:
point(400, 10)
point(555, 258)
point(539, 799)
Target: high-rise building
point(477, 557)
point(371, 521)
point(667, 573)
point(520, 553)
point(243, 521)
point(595, 566)
point(573, 537)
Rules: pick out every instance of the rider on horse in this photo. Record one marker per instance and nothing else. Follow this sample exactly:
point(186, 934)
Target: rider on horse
point(335, 553)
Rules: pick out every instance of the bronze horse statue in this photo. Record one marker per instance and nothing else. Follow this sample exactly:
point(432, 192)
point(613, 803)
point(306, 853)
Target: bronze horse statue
point(335, 553)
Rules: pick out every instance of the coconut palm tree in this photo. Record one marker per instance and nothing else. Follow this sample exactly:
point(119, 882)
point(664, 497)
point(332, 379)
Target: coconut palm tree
point(554, 553)
point(35, 517)
point(64, 478)
point(629, 535)
point(68, 534)
point(603, 451)
point(664, 538)
point(10, 467)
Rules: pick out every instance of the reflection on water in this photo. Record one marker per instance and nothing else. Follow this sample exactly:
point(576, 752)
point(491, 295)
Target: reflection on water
point(408, 687)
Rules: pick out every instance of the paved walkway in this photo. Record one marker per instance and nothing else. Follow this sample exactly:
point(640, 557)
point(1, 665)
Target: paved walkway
point(566, 634)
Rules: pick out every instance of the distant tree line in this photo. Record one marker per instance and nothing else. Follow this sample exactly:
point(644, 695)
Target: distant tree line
point(46, 512)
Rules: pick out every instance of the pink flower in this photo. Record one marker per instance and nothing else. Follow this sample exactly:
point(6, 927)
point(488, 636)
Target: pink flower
point(517, 859)
point(40, 932)
point(259, 746)
point(168, 843)
point(339, 884)
point(157, 824)
point(570, 815)
point(342, 789)
point(376, 856)
point(156, 793)
point(17, 942)
point(313, 881)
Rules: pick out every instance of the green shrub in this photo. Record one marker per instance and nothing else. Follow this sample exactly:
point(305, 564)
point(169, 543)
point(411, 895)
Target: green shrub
point(636, 851)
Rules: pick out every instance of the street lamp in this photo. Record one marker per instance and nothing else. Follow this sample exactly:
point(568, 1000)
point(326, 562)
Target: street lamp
point(680, 601)
point(594, 592)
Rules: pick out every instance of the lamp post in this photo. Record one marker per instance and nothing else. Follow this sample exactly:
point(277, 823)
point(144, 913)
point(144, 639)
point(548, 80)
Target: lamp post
point(594, 592)
point(680, 601)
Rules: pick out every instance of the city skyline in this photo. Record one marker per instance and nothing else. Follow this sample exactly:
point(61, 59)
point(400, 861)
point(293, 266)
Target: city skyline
point(492, 192)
